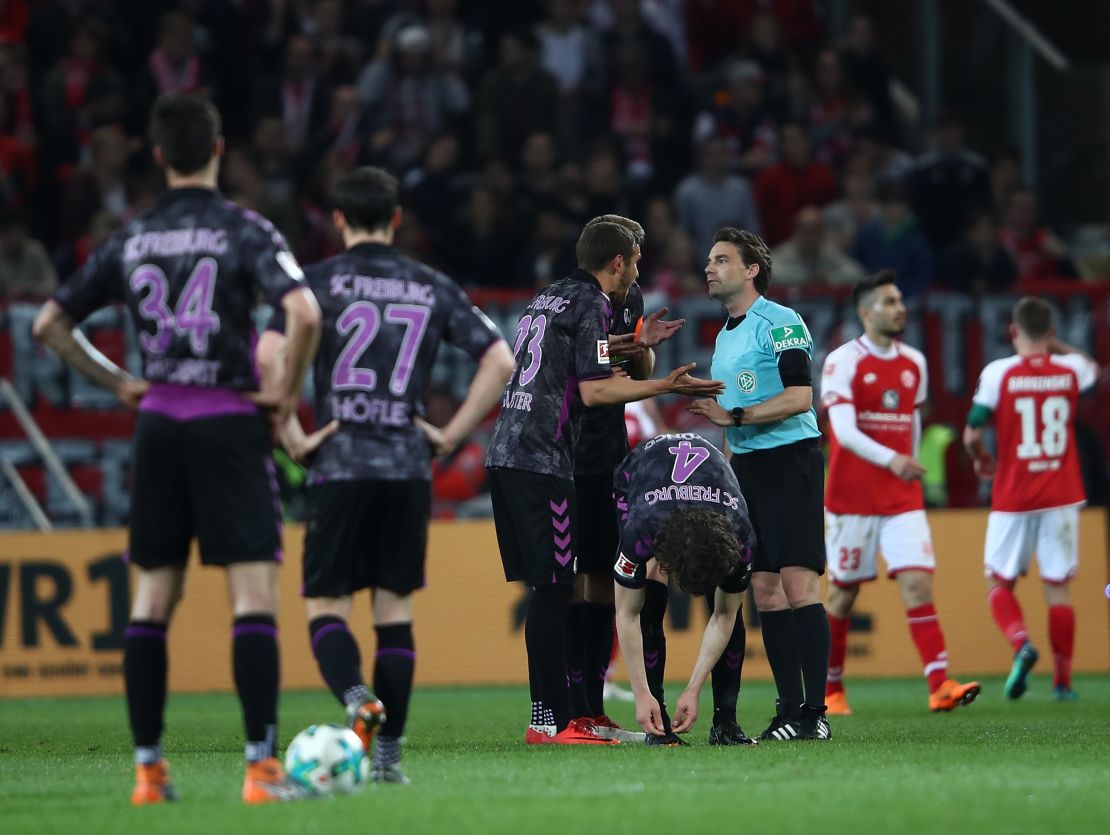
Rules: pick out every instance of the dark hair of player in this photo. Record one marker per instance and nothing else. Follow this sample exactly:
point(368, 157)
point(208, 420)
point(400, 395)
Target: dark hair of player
point(861, 293)
point(1033, 317)
point(367, 197)
point(601, 242)
point(185, 130)
point(752, 250)
point(628, 223)
point(698, 548)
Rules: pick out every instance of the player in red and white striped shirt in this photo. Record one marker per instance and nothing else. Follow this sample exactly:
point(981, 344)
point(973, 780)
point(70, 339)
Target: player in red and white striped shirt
point(872, 388)
point(1037, 488)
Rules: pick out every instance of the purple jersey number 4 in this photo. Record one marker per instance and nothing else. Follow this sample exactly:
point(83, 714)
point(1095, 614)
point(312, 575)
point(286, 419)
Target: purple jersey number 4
point(362, 321)
point(193, 314)
point(687, 458)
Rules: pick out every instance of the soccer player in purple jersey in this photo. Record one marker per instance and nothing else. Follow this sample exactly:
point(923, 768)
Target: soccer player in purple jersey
point(190, 270)
point(682, 515)
point(369, 497)
point(562, 366)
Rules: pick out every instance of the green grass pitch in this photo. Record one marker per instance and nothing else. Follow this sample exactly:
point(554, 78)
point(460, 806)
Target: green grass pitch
point(1033, 766)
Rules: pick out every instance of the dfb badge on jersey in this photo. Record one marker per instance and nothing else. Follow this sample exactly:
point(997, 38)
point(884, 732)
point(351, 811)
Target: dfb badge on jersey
point(890, 399)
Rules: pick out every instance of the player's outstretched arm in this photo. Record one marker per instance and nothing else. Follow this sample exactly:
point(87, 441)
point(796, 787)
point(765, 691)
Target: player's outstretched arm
point(619, 389)
point(726, 608)
point(792, 400)
point(628, 604)
point(54, 329)
point(494, 371)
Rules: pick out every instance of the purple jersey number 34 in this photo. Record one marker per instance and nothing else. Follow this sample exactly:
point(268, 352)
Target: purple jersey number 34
point(193, 314)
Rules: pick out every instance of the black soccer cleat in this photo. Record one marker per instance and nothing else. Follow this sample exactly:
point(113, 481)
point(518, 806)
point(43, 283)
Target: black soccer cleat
point(668, 740)
point(729, 733)
point(777, 723)
point(813, 724)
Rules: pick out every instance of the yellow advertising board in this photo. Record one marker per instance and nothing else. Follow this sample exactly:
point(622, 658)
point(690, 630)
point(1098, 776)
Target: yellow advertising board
point(64, 603)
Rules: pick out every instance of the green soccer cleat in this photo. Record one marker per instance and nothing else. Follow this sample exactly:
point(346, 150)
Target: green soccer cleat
point(1024, 659)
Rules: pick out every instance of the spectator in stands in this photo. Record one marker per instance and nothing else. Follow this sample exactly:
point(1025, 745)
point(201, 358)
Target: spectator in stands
point(737, 114)
point(298, 96)
point(550, 255)
point(783, 189)
point(244, 184)
point(630, 27)
point(979, 263)
point(659, 223)
point(69, 88)
point(341, 131)
point(677, 274)
point(408, 99)
point(810, 259)
point(782, 77)
point(869, 72)
point(837, 112)
point(340, 50)
point(1005, 175)
point(485, 247)
point(711, 197)
point(26, 271)
point(844, 217)
point(452, 45)
point(101, 185)
point(175, 67)
point(876, 156)
point(517, 99)
point(570, 51)
point(1039, 254)
point(948, 185)
point(435, 189)
point(894, 241)
point(18, 172)
point(272, 156)
point(645, 118)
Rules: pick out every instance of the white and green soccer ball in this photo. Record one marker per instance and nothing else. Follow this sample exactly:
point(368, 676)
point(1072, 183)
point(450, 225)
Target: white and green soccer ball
point(328, 759)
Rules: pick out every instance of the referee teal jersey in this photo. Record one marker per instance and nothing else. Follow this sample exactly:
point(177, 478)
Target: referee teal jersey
point(746, 358)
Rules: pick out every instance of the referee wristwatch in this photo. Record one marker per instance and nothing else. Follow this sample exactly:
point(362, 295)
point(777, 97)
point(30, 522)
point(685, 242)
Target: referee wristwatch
point(737, 415)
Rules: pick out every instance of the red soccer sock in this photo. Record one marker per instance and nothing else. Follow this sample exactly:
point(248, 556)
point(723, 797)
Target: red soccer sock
point(926, 634)
point(1007, 614)
point(838, 649)
point(1061, 634)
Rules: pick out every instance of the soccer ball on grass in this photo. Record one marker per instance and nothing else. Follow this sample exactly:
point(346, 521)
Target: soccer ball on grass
point(328, 759)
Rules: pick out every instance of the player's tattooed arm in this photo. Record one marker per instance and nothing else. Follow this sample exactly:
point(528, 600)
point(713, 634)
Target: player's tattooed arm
point(56, 330)
point(718, 630)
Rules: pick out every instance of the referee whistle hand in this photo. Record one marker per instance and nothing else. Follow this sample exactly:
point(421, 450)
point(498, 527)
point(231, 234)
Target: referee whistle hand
point(906, 468)
point(711, 410)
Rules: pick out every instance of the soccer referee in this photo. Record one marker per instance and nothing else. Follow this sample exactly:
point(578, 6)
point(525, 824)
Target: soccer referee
point(763, 354)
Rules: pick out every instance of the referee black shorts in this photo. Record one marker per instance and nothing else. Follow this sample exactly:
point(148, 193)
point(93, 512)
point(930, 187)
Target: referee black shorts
point(535, 516)
point(366, 534)
point(210, 478)
point(785, 491)
point(598, 534)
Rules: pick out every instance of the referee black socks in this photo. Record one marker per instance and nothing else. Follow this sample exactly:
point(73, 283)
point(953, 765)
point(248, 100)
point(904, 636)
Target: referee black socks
point(814, 640)
point(780, 640)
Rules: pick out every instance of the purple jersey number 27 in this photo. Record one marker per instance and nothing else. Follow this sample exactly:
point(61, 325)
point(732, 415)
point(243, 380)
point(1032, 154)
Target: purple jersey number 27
point(362, 321)
point(193, 314)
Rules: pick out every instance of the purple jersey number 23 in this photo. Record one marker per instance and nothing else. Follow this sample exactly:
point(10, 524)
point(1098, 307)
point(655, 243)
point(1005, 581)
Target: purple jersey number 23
point(362, 321)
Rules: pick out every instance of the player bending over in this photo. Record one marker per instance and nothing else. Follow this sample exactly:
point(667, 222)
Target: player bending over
point(873, 388)
point(682, 516)
point(1037, 490)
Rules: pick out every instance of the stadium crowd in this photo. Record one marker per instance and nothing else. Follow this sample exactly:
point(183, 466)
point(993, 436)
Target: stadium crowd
point(510, 124)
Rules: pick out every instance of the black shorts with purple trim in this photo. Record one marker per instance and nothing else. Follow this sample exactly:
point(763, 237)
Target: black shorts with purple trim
point(205, 476)
point(535, 516)
point(366, 534)
point(598, 532)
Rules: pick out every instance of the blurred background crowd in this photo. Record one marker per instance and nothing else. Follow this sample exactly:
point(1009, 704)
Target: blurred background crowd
point(510, 123)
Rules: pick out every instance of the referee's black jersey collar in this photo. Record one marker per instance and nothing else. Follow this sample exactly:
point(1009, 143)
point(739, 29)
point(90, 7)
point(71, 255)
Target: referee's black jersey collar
point(581, 275)
point(733, 322)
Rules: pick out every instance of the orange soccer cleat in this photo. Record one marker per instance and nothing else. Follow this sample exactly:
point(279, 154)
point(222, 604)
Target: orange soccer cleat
point(837, 704)
point(366, 720)
point(152, 784)
point(578, 732)
point(951, 694)
point(267, 782)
